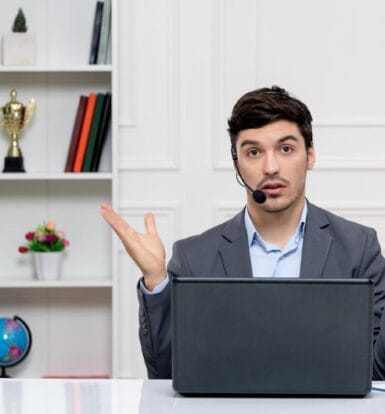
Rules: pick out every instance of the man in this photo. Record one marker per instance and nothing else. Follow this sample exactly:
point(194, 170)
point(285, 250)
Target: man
point(278, 234)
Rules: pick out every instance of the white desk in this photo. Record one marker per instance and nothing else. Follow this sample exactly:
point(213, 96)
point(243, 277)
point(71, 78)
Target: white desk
point(51, 396)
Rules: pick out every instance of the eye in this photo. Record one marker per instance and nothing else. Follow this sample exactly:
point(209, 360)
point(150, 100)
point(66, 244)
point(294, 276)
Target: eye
point(286, 149)
point(252, 153)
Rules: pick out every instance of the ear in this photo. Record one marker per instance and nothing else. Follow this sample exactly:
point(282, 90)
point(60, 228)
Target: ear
point(310, 158)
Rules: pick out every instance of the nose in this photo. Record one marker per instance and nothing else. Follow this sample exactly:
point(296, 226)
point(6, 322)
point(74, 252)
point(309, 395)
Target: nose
point(271, 164)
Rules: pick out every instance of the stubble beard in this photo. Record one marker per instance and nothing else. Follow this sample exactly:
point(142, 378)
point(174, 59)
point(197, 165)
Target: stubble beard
point(273, 204)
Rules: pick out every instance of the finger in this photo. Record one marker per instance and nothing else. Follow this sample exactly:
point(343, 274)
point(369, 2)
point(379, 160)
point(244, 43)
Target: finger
point(118, 224)
point(149, 222)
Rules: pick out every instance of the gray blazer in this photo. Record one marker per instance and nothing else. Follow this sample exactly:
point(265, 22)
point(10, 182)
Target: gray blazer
point(333, 248)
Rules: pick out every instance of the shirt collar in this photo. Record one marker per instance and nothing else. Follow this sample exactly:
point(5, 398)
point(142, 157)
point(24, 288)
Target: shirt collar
point(251, 231)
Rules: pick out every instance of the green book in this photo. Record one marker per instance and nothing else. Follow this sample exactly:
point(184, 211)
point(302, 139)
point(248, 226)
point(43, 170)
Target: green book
point(93, 132)
point(104, 33)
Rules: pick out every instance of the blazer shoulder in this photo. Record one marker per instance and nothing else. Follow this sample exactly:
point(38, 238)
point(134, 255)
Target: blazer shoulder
point(230, 229)
point(336, 223)
point(208, 237)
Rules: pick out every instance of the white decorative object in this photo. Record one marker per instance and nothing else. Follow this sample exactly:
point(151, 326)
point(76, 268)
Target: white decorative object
point(48, 265)
point(19, 49)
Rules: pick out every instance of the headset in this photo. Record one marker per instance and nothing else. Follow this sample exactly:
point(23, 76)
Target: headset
point(258, 195)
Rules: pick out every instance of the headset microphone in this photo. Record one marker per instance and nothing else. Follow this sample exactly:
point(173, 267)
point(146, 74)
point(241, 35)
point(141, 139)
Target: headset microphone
point(258, 195)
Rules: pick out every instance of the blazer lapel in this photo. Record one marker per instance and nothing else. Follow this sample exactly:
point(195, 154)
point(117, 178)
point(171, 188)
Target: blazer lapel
point(234, 249)
point(316, 244)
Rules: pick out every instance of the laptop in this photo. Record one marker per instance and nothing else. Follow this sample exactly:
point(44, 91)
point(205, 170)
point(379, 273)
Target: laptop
point(272, 336)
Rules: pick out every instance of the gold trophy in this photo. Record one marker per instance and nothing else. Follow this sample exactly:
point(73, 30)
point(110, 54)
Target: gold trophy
point(14, 116)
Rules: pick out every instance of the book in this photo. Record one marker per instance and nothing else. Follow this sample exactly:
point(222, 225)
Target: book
point(102, 133)
point(93, 132)
point(84, 134)
point(96, 32)
point(104, 33)
point(76, 133)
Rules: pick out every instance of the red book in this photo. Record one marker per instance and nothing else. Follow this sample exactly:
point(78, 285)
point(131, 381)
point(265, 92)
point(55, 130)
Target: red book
point(93, 133)
point(84, 134)
point(76, 133)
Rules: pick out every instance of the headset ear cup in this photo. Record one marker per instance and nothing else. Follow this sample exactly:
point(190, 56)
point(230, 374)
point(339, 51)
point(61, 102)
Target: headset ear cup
point(234, 155)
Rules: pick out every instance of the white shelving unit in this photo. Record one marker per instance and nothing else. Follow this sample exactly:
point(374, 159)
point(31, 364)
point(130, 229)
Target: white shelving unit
point(73, 320)
point(58, 69)
point(74, 283)
point(56, 176)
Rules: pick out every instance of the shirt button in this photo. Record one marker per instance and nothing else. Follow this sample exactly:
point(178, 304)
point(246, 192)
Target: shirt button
point(145, 331)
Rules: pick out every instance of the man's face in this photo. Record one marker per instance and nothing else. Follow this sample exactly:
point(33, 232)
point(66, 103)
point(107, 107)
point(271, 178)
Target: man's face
point(274, 159)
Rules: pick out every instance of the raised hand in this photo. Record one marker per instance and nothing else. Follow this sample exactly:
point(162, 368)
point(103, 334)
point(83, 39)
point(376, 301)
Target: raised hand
point(145, 249)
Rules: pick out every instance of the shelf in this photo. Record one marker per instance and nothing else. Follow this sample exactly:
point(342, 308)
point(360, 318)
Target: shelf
point(75, 283)
point(55, 176)
point(80, 308)
point(56, 69)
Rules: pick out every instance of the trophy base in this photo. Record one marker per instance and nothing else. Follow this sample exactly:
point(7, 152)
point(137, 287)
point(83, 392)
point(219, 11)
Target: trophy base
point(13, 165)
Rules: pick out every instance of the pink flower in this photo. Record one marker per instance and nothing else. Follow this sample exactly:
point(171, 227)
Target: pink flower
point(51, 238)
point(42, 238)
point(66, 242)
point(30, 235)
point(50, 226)
point(23, 249)
point(61, 234)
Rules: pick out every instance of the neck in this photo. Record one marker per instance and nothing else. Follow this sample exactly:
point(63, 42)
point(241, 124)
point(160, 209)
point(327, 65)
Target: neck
point(276, 227)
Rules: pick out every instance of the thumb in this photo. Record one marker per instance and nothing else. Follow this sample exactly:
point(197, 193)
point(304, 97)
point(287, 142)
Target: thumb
point(149, 222)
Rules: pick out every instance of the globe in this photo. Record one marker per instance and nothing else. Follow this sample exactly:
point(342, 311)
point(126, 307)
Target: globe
point(15, 342)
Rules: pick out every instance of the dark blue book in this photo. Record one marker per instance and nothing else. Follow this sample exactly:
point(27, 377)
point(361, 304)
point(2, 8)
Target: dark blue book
point(96, 32)
point(102, 132)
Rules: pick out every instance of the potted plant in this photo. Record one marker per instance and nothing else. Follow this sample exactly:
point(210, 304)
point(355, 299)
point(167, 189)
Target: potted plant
point(47, 245)
point(19, 47)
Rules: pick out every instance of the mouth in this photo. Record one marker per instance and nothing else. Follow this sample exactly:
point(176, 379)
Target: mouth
point(273, 188)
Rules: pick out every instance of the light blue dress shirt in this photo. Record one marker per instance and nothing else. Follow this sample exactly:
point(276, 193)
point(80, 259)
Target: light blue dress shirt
point(267, 260)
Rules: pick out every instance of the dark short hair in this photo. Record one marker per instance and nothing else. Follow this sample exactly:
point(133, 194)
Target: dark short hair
point(263, 106)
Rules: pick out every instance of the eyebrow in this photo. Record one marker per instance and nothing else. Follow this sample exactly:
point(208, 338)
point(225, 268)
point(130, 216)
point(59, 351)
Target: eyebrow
point(280, 141)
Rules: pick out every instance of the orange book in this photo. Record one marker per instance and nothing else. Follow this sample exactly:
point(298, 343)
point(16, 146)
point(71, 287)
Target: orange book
point(84, 134)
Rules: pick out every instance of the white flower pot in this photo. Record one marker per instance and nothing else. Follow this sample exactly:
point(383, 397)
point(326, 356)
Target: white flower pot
point(48, 265)
point(19, 49)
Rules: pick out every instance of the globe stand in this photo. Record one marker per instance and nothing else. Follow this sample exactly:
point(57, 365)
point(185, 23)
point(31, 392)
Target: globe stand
point(3, 373)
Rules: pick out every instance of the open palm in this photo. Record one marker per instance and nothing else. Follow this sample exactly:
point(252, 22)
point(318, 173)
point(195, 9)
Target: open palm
point(146, 249)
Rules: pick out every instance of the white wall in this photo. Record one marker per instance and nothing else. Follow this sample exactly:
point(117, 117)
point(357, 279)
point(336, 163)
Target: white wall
point(183, 63)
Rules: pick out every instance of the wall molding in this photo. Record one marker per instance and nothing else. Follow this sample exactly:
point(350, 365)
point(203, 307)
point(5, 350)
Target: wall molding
point(224, 210)
point(126, 122)
point(148, 164)
point(349, 121)
point(350, 163)
point(127, 91)
point(172, 102)
point(359, 209)
point(220, 136)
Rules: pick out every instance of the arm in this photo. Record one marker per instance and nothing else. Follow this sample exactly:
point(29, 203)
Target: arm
point(147, 251)
point(373, 267)
point(155, 321)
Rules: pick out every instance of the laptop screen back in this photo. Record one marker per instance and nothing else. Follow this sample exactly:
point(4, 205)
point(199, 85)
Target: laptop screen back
point(272, 336)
